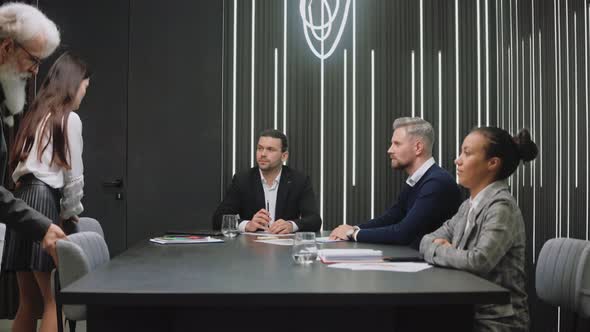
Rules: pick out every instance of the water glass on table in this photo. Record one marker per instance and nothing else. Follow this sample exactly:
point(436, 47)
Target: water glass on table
point(305, 249)
point(229, 225)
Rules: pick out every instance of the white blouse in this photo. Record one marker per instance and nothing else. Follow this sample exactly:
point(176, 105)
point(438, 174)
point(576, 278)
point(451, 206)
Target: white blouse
point(70, 181)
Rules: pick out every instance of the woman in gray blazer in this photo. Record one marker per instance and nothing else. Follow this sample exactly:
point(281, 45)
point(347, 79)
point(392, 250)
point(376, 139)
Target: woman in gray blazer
point(486, 236)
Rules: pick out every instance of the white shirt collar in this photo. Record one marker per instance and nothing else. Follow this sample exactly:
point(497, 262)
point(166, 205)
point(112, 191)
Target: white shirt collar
point(480, 195)
point(276, 180)
point(419, 173)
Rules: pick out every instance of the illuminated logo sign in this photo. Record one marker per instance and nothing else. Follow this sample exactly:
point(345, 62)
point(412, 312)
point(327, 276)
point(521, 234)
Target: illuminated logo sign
point(328, 14)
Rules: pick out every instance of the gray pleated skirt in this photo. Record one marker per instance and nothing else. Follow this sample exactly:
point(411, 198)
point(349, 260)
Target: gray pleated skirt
point(22, 254)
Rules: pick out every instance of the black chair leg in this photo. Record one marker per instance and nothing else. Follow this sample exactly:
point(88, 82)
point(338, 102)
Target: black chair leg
point(72, 324)
point(58, 305)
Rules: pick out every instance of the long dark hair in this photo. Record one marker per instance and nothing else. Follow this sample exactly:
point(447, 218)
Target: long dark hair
point(511, 150)
point(53, 101)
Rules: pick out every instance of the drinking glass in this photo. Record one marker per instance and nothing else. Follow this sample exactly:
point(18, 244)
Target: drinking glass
point(229, 225)
point(305, 249)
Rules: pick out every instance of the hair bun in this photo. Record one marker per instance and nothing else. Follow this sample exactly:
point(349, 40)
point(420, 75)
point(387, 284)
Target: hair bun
point(527, 149)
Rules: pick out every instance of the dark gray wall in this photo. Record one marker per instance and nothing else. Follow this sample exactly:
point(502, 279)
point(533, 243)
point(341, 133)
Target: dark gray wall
point(152, 116)
point(524, 82)
point(174, 115)
point(105, 47)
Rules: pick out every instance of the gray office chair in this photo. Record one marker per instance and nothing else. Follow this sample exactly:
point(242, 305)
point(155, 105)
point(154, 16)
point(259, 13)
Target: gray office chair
point(86, 224)
point(80, 254)
point(563, 275)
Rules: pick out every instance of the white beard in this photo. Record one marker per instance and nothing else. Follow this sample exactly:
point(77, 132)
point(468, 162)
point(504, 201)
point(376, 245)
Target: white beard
point(14, 86)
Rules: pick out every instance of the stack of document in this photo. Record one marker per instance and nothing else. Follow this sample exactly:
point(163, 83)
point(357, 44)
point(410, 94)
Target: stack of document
point(390, 267)
point(349, 255)
point(184, 239)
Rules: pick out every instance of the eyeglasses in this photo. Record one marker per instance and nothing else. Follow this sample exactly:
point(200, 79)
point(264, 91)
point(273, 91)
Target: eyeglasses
point(34, 59)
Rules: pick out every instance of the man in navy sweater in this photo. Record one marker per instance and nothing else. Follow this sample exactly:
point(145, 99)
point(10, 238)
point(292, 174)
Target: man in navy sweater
point(429, 197)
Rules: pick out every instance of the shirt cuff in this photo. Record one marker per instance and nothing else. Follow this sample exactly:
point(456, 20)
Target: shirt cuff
point(356, 231)
point(242, 226)
point(295, 227)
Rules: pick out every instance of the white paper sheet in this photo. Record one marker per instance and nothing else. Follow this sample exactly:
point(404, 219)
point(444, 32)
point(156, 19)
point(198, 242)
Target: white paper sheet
point(326, 239)
point(391, 267)
point(269, 234)
point(184, 240)
point(279, 242)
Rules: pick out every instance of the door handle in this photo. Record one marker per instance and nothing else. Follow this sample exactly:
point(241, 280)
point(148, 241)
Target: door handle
point(117, 183)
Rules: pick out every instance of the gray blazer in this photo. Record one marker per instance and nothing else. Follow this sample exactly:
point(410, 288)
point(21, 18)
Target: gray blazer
point(492, 247)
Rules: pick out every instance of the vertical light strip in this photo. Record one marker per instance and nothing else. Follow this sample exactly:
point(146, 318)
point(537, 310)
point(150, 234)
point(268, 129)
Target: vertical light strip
point(276, 124)
point(522, 109)
point(457, 99)
point(541, 146)
point(234, 74)
point(498, 76)
point(567, 99)
point(560, 123)
point(440, 119)
point(510, 92)
point(487, 32)
point(345, 140)
point(555, 24)
point(478, 45)
point(422, 59)
point(372, 134)
point(285, 67)
point(510, 96)
point(510, 75)
point(576, 93)
point(532, 84)
point(322, 121)
point(587, 13)
point(354, 93)
point(531, 101)
point(518, 96)
point(534, 127)
point(252, 83)
point(413, 85)
point(503, 105)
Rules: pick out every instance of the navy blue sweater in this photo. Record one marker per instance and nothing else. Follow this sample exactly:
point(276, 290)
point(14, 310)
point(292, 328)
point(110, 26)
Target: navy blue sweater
point(420, 210)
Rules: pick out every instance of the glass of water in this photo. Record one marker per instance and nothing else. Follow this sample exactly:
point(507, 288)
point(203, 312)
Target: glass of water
point(229, 225)
point(305, 249)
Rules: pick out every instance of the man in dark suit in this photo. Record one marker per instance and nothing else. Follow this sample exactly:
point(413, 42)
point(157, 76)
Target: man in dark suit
point(26, 37)
point(271, 197)
point(429, 197)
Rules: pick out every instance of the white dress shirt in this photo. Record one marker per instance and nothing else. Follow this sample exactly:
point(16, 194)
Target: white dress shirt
point(270, 201)
point(419, 173)
point(70, 181)
point(473, 203)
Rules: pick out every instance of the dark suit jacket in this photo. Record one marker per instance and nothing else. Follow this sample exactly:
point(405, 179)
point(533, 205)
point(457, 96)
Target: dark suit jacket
point(14, 212)
point(20, 217)
point(419, 210)
point(295, 199)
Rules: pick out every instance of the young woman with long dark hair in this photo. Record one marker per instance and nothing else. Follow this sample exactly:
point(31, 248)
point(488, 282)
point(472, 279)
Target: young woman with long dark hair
point(48, 171)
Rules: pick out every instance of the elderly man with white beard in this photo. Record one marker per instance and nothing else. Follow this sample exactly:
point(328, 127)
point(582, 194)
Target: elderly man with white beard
point(26, 37)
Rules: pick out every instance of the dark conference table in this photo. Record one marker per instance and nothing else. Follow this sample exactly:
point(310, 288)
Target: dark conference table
point(246, 285)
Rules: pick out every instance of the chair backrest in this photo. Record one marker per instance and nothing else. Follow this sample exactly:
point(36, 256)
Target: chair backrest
point(86, 224)
point(563, 274)
point(2, 235)
point(77, 256)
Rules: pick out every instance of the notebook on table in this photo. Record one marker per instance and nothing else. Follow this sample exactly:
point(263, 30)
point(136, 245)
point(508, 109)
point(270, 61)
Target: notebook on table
point(203, 232)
